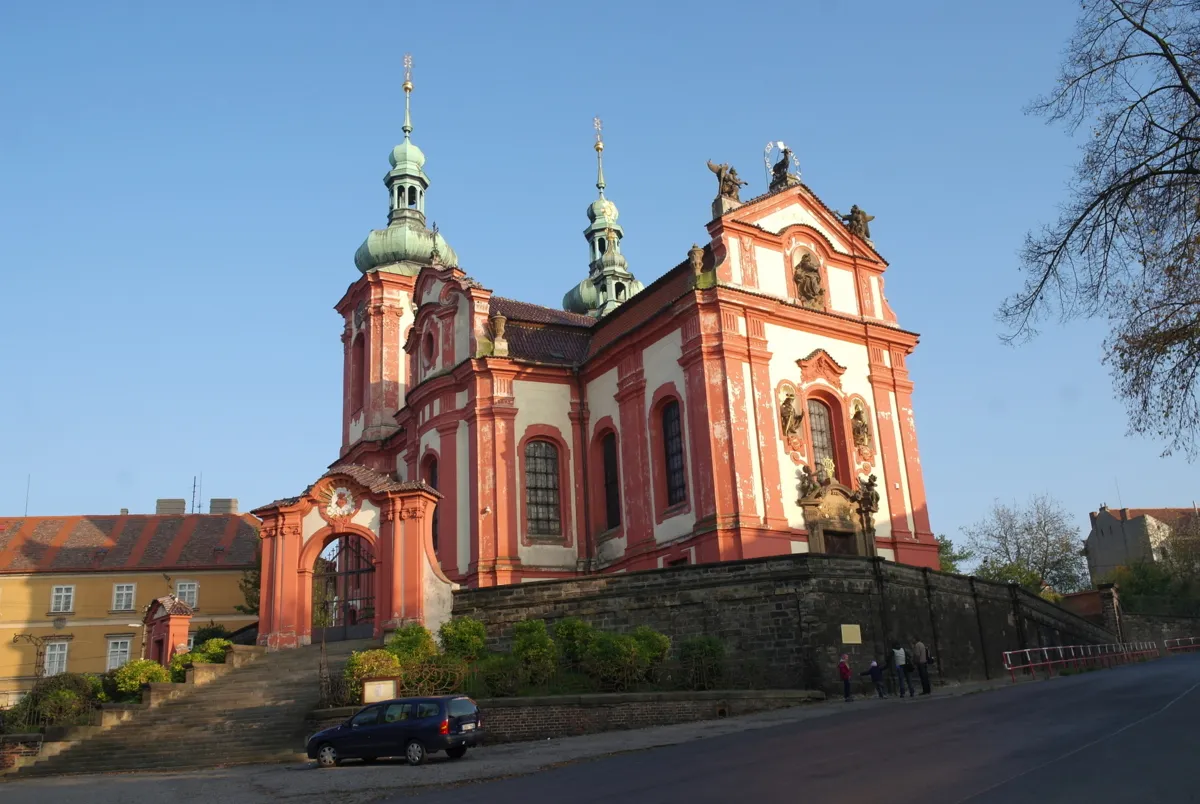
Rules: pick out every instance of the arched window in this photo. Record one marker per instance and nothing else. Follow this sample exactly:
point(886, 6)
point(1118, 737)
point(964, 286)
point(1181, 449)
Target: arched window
point(412, 197)
point(673, 447)
point(357, 374)
point(820, 425)
point(612, 488)
point(543, 511)
point(431, 477)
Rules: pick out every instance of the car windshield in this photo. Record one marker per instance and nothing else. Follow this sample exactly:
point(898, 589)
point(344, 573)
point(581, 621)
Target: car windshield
point(462, 707)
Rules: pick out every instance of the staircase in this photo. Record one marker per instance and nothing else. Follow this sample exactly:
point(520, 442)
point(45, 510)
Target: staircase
point(255, 713)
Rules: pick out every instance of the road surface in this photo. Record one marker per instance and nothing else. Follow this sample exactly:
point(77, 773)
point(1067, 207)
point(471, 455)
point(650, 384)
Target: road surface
point(1130, 734)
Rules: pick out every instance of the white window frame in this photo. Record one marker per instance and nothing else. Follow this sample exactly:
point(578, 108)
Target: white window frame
point(195, 590)
point(120, 589)
point(67, 594)
point(191, 640)
point(52, 665)
point(128, 641)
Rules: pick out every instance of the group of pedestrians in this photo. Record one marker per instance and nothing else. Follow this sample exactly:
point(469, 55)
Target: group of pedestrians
point(902, 661)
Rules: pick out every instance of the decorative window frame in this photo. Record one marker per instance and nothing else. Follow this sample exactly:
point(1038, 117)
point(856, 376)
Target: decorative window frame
point(566, 486)
point(665, 393)
point(599, 503)
point(845, 467)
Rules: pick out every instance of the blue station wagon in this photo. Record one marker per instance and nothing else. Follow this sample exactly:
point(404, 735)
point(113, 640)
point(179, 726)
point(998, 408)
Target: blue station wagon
point(409, 727)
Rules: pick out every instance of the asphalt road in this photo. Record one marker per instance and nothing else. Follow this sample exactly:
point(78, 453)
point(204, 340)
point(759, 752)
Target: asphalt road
point(1130, 734)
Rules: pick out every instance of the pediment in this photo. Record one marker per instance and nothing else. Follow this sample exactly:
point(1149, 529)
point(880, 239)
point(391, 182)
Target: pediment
point(799, 206)
point(820, 366)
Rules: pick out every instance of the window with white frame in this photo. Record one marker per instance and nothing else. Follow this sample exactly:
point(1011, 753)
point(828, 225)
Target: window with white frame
point(188, 592)
point(56, 658)
point(123, 594)
point(118, 651)
point(191, 640)
point(62, 599)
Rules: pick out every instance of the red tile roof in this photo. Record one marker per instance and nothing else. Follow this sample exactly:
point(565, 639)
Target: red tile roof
point(126, 542)
point(536, 314)
point(376, 482)
point(542, 344)
point(1168, 516)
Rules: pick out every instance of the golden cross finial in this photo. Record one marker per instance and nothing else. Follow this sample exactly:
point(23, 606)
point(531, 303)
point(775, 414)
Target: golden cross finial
point(599, 126)
point(408, 87)
point(408, 68)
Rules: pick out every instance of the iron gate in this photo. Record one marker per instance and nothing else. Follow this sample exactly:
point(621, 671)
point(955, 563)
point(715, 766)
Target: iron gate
point(343, 588)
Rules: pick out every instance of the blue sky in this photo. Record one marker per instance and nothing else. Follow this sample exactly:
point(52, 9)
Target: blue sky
point(183, 189)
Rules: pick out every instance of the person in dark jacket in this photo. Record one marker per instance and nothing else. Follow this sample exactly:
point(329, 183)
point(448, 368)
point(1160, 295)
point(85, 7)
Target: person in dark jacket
point(876, 674)
point(844, 674)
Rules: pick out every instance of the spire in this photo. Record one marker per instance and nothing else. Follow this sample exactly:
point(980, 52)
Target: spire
point(609, 282)
point(599, 126)
point(408, 88)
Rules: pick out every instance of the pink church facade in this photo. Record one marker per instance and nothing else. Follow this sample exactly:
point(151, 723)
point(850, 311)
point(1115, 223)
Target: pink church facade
point(752, 401)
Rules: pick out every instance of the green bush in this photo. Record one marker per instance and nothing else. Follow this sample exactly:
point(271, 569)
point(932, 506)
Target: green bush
point(573, 637)
point(132, 676)
point(178, 669)
point(535, 650)
point(210, 631)
point(368, 664)
point(654, 647)
point(61, 705)
point(496, 676)
point(701, 659)
point(463, 637)
point(412, 642)
point(211, 651)
point(615, 661)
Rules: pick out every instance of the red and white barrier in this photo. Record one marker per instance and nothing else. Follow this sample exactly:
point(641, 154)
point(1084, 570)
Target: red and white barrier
point(1077, 657)
point(1182, 645)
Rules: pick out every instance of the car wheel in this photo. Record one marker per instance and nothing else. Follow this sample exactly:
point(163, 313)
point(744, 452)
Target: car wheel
point(327, 756)
point(414, 752)
point(457, 752)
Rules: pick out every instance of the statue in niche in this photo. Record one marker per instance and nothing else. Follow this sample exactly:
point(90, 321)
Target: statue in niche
point(789, 416)
point(861, 430)
point(867, 498)
point(808, 484)
point(728, 183)
point(858, 222)
point(807, 275)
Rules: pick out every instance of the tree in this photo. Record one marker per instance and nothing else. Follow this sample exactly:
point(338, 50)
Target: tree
point(1034, 546)
point(951, 559)
point(1126, 245)
point(250, 585)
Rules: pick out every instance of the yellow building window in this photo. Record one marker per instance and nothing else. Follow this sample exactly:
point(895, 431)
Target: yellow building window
point(56, 658)
point(118, 652)
point(62, 599)
point(123, 596)
point(188, 592)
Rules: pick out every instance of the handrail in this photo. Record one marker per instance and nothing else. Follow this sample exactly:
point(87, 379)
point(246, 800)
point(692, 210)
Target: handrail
point(1078, 656)
point(1182, 644)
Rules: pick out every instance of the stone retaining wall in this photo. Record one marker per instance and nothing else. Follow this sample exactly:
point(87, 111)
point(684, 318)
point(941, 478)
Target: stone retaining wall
point(1155, 628)
point(790, 613)
point(18, 745)
point(510, 720)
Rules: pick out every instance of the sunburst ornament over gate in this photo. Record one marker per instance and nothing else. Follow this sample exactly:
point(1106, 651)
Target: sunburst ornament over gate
point(339, 502)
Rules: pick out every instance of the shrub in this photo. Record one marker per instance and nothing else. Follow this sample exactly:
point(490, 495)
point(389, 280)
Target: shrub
point(178, 669)
point(497, 676)
point(212, 651)
point(61, 705)
point(132, 676)
point(412, 642)
point(654, 647)
point(535, 650)
point(573, 636)
point(615, 661)
point(463, 637)
point(210, 631)
point(368, 664)
point(701, 660)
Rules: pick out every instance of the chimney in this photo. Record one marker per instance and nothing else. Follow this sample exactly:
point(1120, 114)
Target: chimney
point(223, 505)
point(170, 507)
point(124, 512)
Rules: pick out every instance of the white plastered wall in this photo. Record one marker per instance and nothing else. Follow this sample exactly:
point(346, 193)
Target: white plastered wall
point(797, 213)
point(660, 363)
point(789, 345)
point(841, 290)
point(772, 276)
point(462, 496)
point(367, 516)
point(548, 404)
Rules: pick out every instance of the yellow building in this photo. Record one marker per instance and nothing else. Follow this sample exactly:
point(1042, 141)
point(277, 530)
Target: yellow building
point(73, 590)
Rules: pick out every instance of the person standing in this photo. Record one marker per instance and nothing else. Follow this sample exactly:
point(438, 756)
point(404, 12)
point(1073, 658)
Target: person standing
point(899, 661)
point(844, 674)
point(921, 654)
point(876, 674)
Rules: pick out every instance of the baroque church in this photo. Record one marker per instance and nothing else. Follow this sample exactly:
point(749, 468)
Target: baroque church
point(750, 401)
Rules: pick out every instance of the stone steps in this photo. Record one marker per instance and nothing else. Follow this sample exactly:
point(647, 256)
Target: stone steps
point(254, 712)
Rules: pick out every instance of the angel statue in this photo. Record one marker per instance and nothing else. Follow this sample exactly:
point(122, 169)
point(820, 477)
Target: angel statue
point(789, 417)
point(728, 183)
point(858, 222)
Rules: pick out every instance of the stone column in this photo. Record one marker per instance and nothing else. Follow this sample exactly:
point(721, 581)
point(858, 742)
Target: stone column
point(636, 481)
point(447, 507)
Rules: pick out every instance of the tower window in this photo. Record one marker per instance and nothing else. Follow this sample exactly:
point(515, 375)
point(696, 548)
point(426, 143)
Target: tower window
point(619, 288)
point(412, 197)
point(602, 245)
point(673, 446)
point(357, 374)
point(543, 515)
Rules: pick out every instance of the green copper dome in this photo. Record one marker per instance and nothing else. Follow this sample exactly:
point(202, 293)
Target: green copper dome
point(407, 158)
point(583, 299)
point(403, 245)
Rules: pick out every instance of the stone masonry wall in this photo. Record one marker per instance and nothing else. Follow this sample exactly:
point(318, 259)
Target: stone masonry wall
point(1154, 628)
point(788, 611)
point(17, 745)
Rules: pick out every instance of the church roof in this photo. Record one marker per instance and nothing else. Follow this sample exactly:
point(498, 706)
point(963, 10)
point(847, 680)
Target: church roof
point(543, 334)
point(515, 310)
point(111, 543)
point(171, 605)
point(373, 481)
